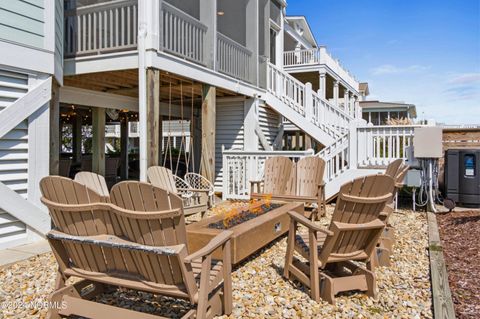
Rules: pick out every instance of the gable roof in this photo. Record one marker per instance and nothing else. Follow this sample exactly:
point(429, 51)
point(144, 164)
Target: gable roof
point(303, 23)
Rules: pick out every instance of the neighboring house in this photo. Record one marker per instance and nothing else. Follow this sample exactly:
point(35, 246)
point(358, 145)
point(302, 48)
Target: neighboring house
point(218, 65)
point(388, 113)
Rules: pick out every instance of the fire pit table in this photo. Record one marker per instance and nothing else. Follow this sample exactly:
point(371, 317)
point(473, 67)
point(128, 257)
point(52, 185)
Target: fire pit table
point(253, 227)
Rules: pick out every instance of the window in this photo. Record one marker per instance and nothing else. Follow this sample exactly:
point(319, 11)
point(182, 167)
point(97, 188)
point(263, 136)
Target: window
point(273, 46)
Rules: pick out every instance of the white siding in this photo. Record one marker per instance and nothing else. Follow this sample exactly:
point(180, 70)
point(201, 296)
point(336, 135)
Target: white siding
point(229, 131)
point(13, 153)
point(23, 22)
point(269, 123)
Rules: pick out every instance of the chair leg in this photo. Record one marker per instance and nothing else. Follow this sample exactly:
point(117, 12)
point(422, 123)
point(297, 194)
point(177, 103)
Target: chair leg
point(290, 249)
point(327, 290)
point(383, 256)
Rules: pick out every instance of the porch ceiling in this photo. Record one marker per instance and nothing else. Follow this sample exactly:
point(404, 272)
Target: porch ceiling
point(125, 83)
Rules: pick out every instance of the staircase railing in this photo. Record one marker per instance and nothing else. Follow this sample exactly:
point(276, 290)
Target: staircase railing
point(240, 167)
point(302, 99)
point(336, 157)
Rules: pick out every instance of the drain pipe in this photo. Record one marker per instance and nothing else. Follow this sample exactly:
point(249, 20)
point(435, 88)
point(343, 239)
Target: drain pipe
point(142, 101)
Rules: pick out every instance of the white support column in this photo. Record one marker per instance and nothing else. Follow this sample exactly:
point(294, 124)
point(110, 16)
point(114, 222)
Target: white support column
point(250, 117)
point(142, 87)
point(335, 92)
point(208, 16)
point(346, 101)
point(308, 102)
point(252, 37)
point(323, 85)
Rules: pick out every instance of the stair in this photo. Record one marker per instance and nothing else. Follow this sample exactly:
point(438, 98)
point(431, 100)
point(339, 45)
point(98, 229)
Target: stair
point(298, 103)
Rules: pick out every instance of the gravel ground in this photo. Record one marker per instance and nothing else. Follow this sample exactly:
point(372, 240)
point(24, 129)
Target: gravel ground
point(259, 291)
point(461, 248)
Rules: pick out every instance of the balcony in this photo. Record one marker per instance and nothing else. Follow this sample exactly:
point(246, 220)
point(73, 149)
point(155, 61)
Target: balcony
point(111, 27)
point(303, 59)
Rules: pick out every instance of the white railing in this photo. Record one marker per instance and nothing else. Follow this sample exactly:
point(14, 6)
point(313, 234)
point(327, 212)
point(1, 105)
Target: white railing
point(286, 88)
point(379, 145)
point(241, 167)
point(232, 58)
point(336, 157)
point(101, 28)
point(333, 118)
point(318, 56)
point(183, 35)
point(301, 57)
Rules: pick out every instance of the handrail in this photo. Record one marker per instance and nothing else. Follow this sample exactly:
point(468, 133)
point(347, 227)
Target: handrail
point(183, 15)
point(98, 6)
point(233, 58)
point(237, 45)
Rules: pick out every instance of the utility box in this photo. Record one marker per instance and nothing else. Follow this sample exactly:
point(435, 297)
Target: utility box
point(462, 178)
point(427, 142)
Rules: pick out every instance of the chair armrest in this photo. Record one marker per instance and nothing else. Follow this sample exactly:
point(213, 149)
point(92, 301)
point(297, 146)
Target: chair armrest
point(194, 190)
point(374, 224)
point(212, 245)
point(307, 223)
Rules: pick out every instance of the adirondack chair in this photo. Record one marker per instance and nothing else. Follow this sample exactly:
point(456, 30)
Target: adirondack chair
point(194, 200)
point(276, 174)
point(95, 182)
point(198, 181)
point(352, 236)
point(300, 182)
point(393, 167)
point(387, 239)
point(142, 247)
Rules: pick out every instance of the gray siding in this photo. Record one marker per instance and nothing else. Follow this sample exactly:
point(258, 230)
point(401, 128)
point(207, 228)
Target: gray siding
point(269, 121)
point(13, 153)
point(229, 132)
point(23, 21)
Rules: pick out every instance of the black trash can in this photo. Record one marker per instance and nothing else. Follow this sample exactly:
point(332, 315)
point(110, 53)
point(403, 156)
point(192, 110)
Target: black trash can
point(462, 176)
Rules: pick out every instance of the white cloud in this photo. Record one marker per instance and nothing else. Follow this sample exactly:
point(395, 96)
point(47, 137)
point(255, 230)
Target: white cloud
point(392, 69)
point(466, 78)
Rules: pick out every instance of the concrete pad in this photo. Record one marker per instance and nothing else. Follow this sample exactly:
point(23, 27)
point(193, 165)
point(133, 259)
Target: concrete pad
point(19, 253)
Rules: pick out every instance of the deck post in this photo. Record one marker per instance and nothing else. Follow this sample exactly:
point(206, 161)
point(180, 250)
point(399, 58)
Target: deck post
point(54, 157)
point(208, 132)
point(336, 92)
point(323, 85)
point(208, 16)
point(98, 140)
point(124, 148)
point(77, 138)
point(250, 117)
point(252, 39)
point(153, 117)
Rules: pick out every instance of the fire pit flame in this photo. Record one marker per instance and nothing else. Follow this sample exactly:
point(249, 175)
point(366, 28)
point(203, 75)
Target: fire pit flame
point(250, 210)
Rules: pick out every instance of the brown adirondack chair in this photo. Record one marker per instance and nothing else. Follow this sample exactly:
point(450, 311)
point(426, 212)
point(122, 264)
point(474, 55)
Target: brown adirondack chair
point(387, 239)
point(276, 174)
point(140, 246)
point(93, 181)
point(194, 200)
point(393, 167)
point(352, 236)
point(299, 182)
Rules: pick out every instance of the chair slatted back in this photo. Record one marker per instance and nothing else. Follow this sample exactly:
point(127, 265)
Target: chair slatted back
point(358, 207)
point(277, 172)
point(155, 244)
point(93, 181)
point(144, 197)
point(400, 176)
point(393, 167)
point(309, 175)
point(80, 222)
point(162, 177)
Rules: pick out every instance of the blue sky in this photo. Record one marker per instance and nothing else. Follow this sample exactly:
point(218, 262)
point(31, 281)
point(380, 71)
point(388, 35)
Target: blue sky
point(425, 52)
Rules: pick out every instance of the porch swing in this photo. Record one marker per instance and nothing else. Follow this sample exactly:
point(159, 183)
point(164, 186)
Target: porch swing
point(195, 190)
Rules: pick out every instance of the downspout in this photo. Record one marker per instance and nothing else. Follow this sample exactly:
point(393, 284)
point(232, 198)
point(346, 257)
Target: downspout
point(142, 101)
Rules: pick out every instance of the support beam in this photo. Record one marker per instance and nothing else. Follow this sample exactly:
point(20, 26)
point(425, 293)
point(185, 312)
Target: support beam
point(54, 129)
point(98, 140)
point(208, 132)
point(323, 85)
point(124, 148)
point(153, 117)
point(250, 117)
point(335, 92)
point(77, 138)
point(208, 16)
point(346, 101)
